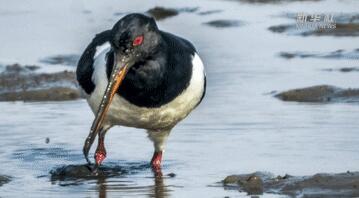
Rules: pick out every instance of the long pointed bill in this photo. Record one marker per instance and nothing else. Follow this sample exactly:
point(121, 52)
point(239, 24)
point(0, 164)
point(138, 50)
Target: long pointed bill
point(118, 74)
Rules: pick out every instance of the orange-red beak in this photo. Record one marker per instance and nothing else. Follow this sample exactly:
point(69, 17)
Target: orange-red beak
point(118, 74)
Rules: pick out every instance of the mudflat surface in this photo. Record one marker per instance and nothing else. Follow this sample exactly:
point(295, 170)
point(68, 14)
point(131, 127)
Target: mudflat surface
point(4, 179)
point(320, 93)
point(318, 185)
point(21, 83)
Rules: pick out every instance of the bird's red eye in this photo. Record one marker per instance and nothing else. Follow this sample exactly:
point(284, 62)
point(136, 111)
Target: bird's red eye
point(138, 41)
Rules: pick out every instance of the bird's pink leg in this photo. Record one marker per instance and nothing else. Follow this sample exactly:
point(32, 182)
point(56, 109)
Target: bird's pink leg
point(156, 163)
point(158, 138)
point(100, 154)
point(156, 159)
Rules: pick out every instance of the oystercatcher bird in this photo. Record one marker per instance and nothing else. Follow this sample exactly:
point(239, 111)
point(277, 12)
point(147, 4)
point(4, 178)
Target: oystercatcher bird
point(136, 75)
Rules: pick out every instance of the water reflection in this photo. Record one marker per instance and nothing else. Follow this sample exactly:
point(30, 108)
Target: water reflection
point(102, 187)
point(157, 190)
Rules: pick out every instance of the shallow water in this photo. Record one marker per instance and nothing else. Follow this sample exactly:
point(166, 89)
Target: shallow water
point(238, 128)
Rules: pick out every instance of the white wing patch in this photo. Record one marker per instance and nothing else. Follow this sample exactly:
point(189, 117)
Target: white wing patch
point(101, 48)
point(99, 76)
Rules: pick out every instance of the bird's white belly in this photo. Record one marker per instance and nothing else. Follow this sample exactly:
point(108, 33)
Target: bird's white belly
point(122, 112)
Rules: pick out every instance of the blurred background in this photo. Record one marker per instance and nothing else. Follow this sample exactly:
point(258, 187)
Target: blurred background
point(252, 51)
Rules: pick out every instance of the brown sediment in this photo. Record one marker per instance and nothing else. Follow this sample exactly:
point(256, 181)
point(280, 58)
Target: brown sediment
point(343, 69)
point(318, 185)
point(51, 94)
point(224, 23)
point(281, 28)
point(320, 93)
point(4, 179)
point(21, 83)
point(160, 13)
point(73, 171)
point(85, 171)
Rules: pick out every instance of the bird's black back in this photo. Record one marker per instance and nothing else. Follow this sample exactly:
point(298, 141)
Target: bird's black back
point(161, 77)
point(85, 67)
point(151, 82)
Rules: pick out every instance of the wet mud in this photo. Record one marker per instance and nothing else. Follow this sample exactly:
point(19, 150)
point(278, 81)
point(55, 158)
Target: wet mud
point(318, 185)
point(22, 83)
point(209, 12)
point(343, 69)
point(50, 94)
point(77, 174)
point(4, 179)
point(85, 171)
point(338, 54)
point(281, 28)
point(224, 23)
point(161, 13)
point(320, 93)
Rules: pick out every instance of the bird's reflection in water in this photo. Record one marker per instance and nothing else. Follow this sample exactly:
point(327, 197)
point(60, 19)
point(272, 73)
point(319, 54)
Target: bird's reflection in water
point(158, 189)
point(102, 187)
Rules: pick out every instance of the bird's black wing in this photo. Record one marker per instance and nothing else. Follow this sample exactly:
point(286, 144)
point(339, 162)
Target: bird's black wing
point(85, 65)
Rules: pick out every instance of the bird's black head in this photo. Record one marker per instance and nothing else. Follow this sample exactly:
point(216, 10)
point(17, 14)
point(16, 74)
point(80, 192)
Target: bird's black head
point(135, 35)
point(134, 38)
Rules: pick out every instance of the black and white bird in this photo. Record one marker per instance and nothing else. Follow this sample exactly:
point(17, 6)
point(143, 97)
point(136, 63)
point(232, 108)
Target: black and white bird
point(136, 75)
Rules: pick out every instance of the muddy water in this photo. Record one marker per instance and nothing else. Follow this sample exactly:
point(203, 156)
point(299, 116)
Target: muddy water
point(239, 127)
